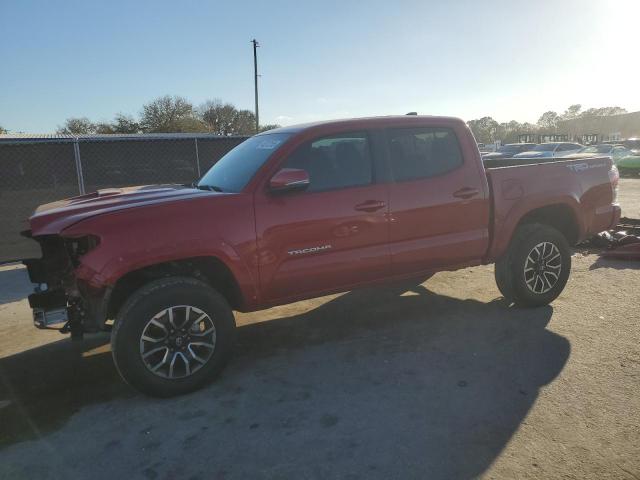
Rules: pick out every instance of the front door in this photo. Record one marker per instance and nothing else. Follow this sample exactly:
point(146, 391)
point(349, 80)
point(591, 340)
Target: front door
point(332, 235)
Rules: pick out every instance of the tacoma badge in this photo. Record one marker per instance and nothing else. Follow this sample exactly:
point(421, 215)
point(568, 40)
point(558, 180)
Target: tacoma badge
point(309, 250)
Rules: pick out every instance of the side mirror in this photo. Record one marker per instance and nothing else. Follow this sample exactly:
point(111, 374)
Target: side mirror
point(289, 179)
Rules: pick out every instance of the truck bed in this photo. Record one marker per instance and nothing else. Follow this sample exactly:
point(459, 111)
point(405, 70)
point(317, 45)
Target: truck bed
point(521, 185)
point(515, 162)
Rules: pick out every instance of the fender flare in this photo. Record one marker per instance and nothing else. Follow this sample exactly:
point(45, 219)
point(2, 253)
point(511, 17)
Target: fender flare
point(506, 225)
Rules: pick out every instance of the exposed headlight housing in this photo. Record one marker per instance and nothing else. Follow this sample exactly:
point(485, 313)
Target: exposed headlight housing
point(77, 247)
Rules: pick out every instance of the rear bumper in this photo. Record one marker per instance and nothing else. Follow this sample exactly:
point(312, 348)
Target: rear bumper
point(605, 218)
point(617, 213)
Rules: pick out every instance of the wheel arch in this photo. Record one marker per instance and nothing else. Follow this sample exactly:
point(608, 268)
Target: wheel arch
point(564, 216)
point(559, 216)
point(210, 269)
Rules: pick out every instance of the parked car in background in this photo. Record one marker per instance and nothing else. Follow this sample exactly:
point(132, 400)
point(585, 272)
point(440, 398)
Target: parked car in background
point(629, 166)
point(485, 148)
point(616, 152)
point(508, 150)
point(551, 149)
point(633, 144)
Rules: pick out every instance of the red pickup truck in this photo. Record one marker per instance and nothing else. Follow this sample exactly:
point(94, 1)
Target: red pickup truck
point(301, 212)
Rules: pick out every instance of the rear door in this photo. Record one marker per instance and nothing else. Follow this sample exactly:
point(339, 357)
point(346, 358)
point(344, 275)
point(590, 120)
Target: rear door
point(332, 235)
point(439, 203)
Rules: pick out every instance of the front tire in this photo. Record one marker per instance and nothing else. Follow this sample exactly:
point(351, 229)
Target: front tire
point(536, 267)
point(172, 336)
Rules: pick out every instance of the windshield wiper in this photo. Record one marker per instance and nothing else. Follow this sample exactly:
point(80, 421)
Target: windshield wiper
point(211, 188)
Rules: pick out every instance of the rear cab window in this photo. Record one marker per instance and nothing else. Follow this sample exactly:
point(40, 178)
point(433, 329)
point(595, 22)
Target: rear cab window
point(423, 152)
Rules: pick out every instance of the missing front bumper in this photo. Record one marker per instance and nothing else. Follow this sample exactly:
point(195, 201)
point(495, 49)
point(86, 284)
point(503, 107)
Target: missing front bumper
point(49, 308)
point(44, 319)
point(60, 300)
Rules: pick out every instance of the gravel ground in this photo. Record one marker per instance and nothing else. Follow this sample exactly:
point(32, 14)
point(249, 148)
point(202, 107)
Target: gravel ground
point(629, 197)
point(439, 380)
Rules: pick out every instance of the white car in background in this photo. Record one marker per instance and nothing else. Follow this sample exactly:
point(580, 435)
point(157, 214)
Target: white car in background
point(551, 149)
point(616, 152)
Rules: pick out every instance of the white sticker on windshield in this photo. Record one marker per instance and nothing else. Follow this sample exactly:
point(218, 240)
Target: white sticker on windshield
point(269, 144)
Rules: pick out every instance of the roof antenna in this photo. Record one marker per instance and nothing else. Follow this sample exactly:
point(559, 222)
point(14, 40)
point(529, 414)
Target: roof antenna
point(412, 113)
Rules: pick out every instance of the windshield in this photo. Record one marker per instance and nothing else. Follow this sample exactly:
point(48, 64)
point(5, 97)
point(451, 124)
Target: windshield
point(597, 149)
point(545, 147)
point(234, 170)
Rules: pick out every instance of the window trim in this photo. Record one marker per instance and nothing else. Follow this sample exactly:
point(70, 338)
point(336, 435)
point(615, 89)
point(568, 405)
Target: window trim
point(372, 161)
point(392, 177)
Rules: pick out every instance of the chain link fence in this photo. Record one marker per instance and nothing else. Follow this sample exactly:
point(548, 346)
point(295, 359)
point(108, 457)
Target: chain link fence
point(39, 170)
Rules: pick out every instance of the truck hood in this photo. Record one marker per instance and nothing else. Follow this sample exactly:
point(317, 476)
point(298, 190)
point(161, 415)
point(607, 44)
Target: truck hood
point(52, 218)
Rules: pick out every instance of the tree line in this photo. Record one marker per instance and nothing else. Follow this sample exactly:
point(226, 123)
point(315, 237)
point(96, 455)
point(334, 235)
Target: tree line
point(488, 130)
point(175, 114)
point(172, 114)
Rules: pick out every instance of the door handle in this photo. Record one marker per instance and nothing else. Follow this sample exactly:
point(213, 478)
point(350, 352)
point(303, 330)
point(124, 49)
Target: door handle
point(370, 206)
point(466, 192)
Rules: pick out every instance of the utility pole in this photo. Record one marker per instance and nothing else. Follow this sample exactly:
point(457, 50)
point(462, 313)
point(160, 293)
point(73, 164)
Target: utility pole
point(255, 80)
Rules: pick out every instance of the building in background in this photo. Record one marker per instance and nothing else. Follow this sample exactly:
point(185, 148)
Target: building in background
point(597, 129)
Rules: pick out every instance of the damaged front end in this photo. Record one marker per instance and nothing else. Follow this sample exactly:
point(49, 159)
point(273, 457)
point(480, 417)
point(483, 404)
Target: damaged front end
point(60, 300)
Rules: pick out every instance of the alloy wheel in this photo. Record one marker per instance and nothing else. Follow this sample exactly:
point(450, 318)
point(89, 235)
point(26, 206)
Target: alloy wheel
point(542, 267)
point(177, 341)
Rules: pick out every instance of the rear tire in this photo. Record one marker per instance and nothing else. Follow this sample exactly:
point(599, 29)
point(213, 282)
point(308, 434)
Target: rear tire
point(502, 271)
point(536, 267)
point(172, 336)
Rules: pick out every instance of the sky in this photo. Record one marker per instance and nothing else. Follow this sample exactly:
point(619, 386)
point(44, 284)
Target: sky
point(510, 59)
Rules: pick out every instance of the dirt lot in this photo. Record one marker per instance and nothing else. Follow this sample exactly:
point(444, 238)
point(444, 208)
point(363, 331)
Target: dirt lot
point(629, 196)
point(440, 380)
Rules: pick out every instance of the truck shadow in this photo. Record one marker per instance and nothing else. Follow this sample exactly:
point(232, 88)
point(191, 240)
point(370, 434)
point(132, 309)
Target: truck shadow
point(618, 264)
point(394, 382)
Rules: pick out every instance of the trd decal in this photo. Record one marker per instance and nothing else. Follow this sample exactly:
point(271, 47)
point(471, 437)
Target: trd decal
point(579, 167)
point(304, 251)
